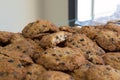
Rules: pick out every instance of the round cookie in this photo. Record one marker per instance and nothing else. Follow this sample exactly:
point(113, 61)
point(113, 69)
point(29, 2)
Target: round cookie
point(113, 26)
point(27, 47)
point(108, 40)
point(25, 59)
point(52, 40)
point(112, 59)
point(102, 72)
point(34, 71)
point(55, 75)
point(90, 31)
point(11, 69)
point(89, 48)
point(16, 37)
point(80, 73)
point(5, 36)
point(37, 27)
point(61, 59)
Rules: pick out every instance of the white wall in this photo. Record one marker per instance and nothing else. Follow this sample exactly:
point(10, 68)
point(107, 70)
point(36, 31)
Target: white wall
point(15, 14)
point(56, 11)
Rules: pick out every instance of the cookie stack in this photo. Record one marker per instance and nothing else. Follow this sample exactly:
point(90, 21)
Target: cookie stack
point(44, 51)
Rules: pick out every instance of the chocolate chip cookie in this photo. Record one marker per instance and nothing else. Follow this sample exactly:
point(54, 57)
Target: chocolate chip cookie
point(89, 48)
point(108, 40)
point(37, 27)
point(25, 59)
point(11, 69)
point(90, 31)
point(61, 58)
point(34, 71)
point(102, 72)
point(113, 26)
point(16, 37)
point(52, 40)
point(80, 73)
point(112, 59)
point(27, 47)
point(5, 36)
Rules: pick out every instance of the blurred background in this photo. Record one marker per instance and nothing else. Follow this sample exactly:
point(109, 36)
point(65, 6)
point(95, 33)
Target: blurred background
point(15, 14)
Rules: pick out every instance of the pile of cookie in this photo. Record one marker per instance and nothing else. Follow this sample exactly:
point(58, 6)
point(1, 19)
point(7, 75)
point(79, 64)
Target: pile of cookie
point(44, 51)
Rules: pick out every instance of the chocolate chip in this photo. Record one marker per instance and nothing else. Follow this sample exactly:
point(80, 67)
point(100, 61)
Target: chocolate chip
point(29, 73)
point(112, 39)
point(118, 57)
point(83, 44)
point(19, 65)
point(57, 59)
point(60, 55)
point(24, 51)
point(57, 37)
point(45, 52)
point(73, 43)
point(88, 52)
point(18, 47)
point(62, 63)
point(77, 46)
point(91, 59)
point(108, 68)
point(53, 54)
point(11, 60)
point(44, 25)
point(81, 39)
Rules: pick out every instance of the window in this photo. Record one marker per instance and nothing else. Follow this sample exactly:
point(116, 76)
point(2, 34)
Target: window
point(84, 10)
point(105, 7)
point(88, 10)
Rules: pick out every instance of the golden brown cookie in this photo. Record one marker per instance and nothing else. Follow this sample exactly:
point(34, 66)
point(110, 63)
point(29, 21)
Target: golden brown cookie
point(80, 73)
point(52, 40)
point(5, 36)
point(90, 31)
point(89, 48)
point(61, 58)
point(34, 71)
point(25, 59)
point(113, 27)
point(37, 27)
point(102, 72)
point(55, 75)
point(27, 47)
point(11, 69)
point(16, 37)
point(108, 40)
point(112, 59)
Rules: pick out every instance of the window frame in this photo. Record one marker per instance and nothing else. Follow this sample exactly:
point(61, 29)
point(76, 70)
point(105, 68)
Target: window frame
point(72, 16)
point(73, 7)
